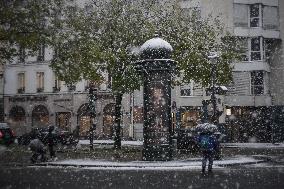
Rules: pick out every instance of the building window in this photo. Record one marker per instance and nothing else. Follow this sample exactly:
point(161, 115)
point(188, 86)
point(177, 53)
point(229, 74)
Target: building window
point(255, 53)
point(270, 18)
point(41, 53)
point(21, 82)
point(245, 50)
point(269, 46)
point(252, 48)
point(240, 15)
point(40, 81)
point(57, 85)
point(255, 13)
point(257, 83)
point(185, 90)
point(22, 54)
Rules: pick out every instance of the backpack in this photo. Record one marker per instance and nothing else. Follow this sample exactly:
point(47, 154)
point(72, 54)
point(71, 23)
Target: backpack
point(206, 142)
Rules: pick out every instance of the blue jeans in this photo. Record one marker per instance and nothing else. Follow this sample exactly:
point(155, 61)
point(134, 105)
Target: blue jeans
point(207, 155)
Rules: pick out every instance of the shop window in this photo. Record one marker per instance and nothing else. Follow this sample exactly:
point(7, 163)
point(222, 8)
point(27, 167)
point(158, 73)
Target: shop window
point(21, 82)
point(257, 83)
point(40, 116)
point(189, 119)
point(17, 113)
point(84, 120)
point(40, 81)
point(63, 120)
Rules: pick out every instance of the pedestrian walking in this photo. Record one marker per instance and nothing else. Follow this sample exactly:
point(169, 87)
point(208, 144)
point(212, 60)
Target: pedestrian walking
point(50, 139)
point(208, 146)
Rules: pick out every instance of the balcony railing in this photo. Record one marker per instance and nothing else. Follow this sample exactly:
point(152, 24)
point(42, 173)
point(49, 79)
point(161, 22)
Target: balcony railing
point(72, 88)
point(40, 90)
point(21, 90)
point(56, 89)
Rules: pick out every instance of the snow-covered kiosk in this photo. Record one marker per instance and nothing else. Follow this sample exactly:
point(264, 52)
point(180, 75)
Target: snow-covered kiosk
point(156, 67)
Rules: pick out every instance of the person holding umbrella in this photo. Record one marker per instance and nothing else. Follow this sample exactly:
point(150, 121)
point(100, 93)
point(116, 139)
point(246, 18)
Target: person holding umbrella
point(208, 145)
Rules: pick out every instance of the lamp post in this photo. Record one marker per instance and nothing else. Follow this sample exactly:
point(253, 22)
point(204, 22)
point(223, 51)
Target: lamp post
point(213, 56)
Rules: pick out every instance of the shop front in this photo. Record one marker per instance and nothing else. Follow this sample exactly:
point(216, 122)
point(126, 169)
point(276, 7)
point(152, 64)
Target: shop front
point(187, 116)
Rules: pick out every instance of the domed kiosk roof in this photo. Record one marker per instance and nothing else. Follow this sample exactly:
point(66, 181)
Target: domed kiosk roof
point(156, 48)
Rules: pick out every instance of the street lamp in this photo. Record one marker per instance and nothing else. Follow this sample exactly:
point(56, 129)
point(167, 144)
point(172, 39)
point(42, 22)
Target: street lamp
point(213, 57)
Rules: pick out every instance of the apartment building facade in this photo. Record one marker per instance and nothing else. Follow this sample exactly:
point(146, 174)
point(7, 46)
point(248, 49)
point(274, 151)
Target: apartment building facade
point(252, 108)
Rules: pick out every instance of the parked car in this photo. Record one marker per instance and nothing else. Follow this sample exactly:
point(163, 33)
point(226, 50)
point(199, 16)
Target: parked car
point(7, 135)
point(61, 136)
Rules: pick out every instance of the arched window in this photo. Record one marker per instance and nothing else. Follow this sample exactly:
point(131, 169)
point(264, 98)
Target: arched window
point(108, 119)
point(17, 113)
point(40, 116)
point(84, 120)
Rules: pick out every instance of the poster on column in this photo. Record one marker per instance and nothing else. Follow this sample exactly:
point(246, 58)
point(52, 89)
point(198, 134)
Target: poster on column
point(158, 117)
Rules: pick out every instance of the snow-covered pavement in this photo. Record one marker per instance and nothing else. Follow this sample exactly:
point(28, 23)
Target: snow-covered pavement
point(253, 145)
point(226, 145)
point(192, 163)
point(110, 142)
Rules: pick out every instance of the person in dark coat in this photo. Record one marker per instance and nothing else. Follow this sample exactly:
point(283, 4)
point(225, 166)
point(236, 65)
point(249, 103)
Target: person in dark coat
point(38, 149)
point(208, 145)
point(50, 139)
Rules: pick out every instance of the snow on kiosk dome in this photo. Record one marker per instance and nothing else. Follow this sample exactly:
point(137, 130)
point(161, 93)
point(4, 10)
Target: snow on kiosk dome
point(156, 48)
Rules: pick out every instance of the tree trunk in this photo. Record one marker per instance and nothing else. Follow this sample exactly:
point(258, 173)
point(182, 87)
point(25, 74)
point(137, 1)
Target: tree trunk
point(117, 137)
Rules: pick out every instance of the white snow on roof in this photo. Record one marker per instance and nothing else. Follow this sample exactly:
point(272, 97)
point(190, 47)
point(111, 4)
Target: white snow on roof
point(156, 43)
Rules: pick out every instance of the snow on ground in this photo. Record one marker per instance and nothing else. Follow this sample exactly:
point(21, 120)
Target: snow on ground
point(106, 142)
point(253, 145)
point(228, 145)
point(176, 164)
